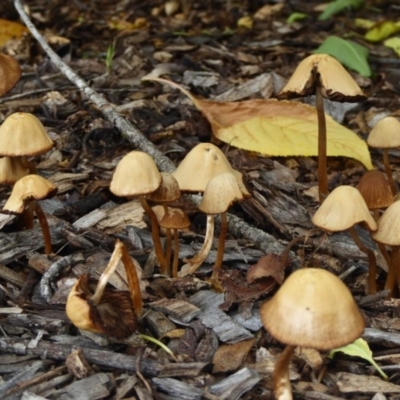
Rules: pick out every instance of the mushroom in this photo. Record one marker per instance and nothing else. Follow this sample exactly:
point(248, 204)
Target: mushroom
point(221, 191)
point(388, 233)
point(386, 135)
point(175, 218)
point(23, 135)
point(313, 308)
point(10, 72)
point(137, 175)
point(341, 211)
point(324, 76)
point(11, 169)
point(107, 311)
point(25, 194)
point(167, 192)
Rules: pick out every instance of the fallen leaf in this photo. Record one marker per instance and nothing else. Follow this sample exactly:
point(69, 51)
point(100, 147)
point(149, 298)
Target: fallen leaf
point(10, 30)
point(277, 128)
point(339, 5)
point(359, 348)
point(394, 44)
point(382, 31)
point(272, 265)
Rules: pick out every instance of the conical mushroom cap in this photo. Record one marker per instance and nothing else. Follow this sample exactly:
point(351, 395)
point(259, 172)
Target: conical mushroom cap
point(11, 169)
point(10, 72)
point(167, 191)
point(220, 193)
point(199, 166)
point(136, 175)
point(389, 226)
point(343, 208)
point(313, 308)
point(336, 83)
point(29, 187)
point(22, 134)
point(375, 189)
point(385, 134)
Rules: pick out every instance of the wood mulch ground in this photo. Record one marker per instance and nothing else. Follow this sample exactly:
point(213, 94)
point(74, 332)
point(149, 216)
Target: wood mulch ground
point(220, 349)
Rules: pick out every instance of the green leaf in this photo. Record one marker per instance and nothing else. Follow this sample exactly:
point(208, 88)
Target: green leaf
point(337, 6)
point(393, 43)
point(349, 53)
point(296, 16)
point(359, 348)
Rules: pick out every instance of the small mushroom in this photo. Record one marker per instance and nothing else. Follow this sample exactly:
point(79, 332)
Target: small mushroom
point(341, 211)
point(175, 219)
point(313, 308)
point(137, 175)
point(23, 135)
point(386, 135)
point(11, 169)
point(107, 311)
point(388, 233)
point(10, 72)
point(324, 76)
point(25, 194)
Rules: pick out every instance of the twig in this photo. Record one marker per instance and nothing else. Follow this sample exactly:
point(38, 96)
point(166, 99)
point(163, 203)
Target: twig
point(237, 227)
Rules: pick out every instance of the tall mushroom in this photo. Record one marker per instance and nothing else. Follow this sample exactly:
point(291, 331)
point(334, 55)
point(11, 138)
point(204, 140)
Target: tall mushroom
point(388, 233)
point(107, 311)
point(341, 211)
point(25, 193)
point(385, 135)
point(313, 308)
point(324, 76)
point(10, 72)
point(137, 175)
point(23, 135)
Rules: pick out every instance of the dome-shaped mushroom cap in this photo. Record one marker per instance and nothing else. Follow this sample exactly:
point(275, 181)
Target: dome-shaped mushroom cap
point(336, 83)
point(343, 208)
point(389, 226)
point(27, 188)
point(375, 189)
point(10, 72)
point(313, 308)
point(136, 175)
point(385, 134)
point(175, 218)
point(199, 166)
point(167, 191)
point(220, 193)
point(22, 134)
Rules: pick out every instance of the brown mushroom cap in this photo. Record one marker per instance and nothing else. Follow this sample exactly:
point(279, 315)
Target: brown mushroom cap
point(389, 226)
point(385, 134)
point(313, 308)
point(375, 189)
point(168, 190)
point(175, 218)
point(10, 72)
point(11, 169)
point(27, 188)
point(136, 175)
point(220, 193)
point(343, 208)
point(22, 134)
point(335, 82)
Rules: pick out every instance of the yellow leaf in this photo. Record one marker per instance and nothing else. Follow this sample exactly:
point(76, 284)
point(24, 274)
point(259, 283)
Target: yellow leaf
point(10, 30)
point(393, 43)
point(364, 23)
point(382, 31)
point(277, 128)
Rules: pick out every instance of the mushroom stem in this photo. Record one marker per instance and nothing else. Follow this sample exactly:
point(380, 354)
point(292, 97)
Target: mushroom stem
point(155, 232)
point(221, 247)
point(394, 268)
point(322, 169)
point(45, 227)
point(168, 251)
point(371, 260)
point(282, 386)
point(176, 254)
point(193, 263)
point(27, 216)
point(381, 246)
point(388, 170)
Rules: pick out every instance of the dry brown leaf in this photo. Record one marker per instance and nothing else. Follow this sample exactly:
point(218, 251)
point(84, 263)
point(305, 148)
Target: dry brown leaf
point(10, 30)
point(270, 265)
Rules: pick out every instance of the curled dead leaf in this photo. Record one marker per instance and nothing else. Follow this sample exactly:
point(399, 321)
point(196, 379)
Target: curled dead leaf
point(270, 265)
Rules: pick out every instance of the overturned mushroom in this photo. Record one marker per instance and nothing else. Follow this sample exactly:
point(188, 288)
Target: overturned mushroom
point(108, 311)
point(25, 194)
